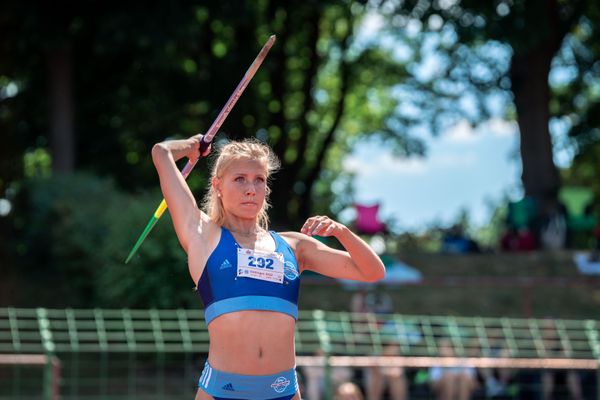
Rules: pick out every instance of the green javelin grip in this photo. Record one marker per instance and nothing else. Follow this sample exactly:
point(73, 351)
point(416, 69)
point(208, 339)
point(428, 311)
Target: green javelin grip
point(207, 139)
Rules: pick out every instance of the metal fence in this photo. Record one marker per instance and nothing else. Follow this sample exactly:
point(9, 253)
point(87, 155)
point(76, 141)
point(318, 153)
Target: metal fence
point(130, 354)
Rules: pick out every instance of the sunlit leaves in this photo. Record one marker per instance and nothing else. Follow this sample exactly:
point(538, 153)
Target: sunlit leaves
point(37, 163)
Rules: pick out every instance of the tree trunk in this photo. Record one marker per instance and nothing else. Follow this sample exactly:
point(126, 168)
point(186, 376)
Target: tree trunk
point(529, 76)
point(61, 111)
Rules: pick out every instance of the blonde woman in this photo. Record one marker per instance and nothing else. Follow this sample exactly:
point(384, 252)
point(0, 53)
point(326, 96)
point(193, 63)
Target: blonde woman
point(247, 276)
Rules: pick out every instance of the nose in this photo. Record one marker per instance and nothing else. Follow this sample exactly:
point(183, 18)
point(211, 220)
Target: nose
point(250, 189)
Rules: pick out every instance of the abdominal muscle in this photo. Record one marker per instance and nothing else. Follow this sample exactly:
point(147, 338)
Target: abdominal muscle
point(252, 342)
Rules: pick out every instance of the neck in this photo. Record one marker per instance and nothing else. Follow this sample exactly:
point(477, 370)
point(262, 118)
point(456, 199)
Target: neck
point(242, 227)
point(246, 232)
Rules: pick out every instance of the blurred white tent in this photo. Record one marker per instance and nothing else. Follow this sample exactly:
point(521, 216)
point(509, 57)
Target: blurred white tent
point(397, 273)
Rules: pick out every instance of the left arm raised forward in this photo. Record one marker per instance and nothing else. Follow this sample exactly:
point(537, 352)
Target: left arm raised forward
point(358, 261)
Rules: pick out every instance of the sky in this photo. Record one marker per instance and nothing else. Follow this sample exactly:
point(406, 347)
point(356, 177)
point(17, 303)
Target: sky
point(472, 169)
point(466, 168)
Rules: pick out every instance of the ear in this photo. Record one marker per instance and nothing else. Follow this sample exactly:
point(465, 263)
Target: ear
point(215, 184)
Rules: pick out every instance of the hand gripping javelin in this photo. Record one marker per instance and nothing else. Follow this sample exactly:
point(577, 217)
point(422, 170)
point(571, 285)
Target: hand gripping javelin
point(208, 137)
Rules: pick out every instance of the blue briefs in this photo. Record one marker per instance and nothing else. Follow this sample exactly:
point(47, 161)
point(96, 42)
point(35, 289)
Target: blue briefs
point(223, 385)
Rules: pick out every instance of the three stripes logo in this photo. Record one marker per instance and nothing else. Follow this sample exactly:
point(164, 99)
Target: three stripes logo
point(225, 264)
point(229, 387)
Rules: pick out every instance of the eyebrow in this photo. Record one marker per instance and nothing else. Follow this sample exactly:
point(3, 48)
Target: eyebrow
point(236, 174)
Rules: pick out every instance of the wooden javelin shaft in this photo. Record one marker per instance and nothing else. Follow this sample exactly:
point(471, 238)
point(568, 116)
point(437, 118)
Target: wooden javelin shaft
point(208, 137)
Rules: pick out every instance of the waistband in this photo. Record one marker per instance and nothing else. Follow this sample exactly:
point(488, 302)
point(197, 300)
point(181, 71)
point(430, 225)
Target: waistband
point(252, 387)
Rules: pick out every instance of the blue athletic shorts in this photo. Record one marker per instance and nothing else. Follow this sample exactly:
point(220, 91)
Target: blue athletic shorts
point(223, 385)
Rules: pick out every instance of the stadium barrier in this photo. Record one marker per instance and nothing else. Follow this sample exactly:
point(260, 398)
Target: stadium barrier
point(126, 353)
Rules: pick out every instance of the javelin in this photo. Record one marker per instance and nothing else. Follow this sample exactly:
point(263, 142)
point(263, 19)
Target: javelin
point(208, 137)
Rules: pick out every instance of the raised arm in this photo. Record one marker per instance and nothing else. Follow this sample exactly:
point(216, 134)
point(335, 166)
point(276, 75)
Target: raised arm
point(181, 202)
point(358, 261)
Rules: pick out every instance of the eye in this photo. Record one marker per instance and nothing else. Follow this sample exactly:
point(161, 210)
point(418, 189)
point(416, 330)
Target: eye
point(261, 179)
point(239, 179)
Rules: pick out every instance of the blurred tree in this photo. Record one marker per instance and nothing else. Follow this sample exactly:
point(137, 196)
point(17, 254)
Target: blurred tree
point(111, 80)
point(474, 54)
point(139, 73)
point(70, 238)
point(576, 104)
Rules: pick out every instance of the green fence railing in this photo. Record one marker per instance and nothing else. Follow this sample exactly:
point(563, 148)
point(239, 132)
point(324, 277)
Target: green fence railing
point(125, 353)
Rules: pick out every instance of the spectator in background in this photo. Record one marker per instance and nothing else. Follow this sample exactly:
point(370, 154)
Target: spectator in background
point(315, 377)
point(455, 241)
point(553, 230)
point(595, 253)
point(553, 348)
point(392, 378)
point(348, 391)
point(379, 302)
point(377, 379)
point(452, 383)
point(358, 302)
point(521, 239)
point(572, 380)
point(496, 380)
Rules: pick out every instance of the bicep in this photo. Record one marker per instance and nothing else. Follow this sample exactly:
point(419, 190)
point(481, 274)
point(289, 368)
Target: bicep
point(324, 260)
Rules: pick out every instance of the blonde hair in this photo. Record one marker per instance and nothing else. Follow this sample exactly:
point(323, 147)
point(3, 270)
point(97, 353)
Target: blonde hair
point(247, 149)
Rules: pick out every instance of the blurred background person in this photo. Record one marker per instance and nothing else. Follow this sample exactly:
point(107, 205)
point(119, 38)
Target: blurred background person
point(452, 383)
point(348, 391)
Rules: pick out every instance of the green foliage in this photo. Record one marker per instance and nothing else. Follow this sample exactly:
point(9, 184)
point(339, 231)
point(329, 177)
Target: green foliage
point(585, 171)
point(474, 60)
point(141, 73)
point(37, 163)
point(576, 104)
point(317, 92)
point(72, 236)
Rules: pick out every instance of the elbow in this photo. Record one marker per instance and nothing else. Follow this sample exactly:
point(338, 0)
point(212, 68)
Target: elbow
point(158, 150)
point(380, 275)
point(377, 275)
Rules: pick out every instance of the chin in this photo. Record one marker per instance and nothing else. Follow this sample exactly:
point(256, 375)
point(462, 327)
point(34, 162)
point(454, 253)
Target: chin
point(248, 214)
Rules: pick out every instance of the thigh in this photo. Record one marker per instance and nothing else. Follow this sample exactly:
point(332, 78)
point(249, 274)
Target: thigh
point(202, 395)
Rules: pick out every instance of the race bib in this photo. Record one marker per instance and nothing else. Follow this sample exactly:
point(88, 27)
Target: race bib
point(260, 265)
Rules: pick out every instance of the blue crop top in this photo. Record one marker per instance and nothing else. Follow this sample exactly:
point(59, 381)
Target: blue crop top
point(222, 291)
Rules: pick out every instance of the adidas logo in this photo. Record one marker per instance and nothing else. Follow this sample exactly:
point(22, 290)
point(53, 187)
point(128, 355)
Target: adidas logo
point(226, 264)
point(228, 386)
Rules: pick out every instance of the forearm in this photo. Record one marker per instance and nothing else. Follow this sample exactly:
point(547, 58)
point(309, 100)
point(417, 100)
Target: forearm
point(364, 258)
point(176, 148)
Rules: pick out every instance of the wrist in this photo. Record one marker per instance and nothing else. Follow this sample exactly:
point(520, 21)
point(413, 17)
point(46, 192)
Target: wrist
point(197, 138)
point(342, 231)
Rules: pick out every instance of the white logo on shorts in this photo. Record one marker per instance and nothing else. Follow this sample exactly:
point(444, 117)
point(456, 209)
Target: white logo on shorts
point(280, 384)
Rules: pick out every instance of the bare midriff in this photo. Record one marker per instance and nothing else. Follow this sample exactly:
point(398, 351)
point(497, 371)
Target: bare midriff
point(252, 342)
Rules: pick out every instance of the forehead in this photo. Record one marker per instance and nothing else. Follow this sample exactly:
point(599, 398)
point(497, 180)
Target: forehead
point(246, 166)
